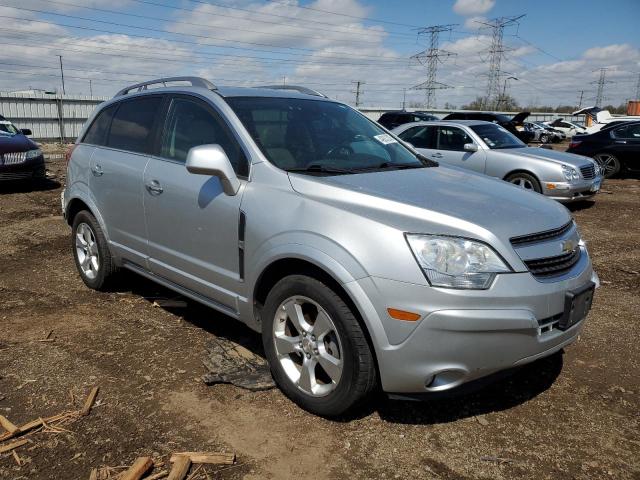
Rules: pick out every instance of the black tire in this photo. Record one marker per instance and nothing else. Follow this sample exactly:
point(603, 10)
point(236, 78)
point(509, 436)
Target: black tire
point(525, 177)
point(106, 269)
point(544, 138)
point(358, 377)
point(609, 163)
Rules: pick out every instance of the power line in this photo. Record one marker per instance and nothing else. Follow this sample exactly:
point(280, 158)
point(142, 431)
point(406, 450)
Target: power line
point(496, 54)
point(389, 22)
point(431, 57)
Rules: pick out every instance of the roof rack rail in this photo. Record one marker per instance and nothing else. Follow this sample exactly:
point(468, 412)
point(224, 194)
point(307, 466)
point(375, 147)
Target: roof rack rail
point(297, 88)
point(195, 82)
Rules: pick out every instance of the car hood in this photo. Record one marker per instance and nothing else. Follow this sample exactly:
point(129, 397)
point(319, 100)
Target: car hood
point(437, 200)
point(546, 154)
point(15, 143)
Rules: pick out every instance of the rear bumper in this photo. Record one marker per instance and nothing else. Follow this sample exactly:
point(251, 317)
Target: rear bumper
point(34, 168)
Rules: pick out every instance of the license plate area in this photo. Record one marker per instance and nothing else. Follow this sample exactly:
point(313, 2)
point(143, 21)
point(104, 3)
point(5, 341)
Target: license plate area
point(577, 304)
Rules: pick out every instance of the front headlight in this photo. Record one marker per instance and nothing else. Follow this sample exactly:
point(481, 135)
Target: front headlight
point(455, 262)
point(570, 173)
point(31, 154)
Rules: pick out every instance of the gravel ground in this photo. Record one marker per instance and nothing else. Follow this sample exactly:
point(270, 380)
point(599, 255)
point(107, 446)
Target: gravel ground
point(572, 416)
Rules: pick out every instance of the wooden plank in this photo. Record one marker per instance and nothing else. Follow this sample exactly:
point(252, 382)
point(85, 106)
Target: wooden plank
point(180, 468)
point(138, 469)
point(10, 446)
point(94, 474)
point(219, 458)
point(7, 425)
point(89, 401)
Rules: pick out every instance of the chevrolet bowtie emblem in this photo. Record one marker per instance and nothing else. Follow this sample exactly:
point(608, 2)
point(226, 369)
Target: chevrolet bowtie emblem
point(568, 246)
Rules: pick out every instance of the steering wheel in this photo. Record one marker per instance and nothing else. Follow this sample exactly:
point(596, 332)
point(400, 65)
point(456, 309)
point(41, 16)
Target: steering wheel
point(340, 151)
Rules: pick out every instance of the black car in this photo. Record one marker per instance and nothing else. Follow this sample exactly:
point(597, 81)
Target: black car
point(20, 157)
point(391, 120)
point(615, 148)
point(514, 125)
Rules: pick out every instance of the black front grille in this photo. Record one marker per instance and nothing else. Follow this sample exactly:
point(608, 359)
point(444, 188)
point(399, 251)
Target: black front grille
point(588, 171)
point(537, 237)
point(553, 266)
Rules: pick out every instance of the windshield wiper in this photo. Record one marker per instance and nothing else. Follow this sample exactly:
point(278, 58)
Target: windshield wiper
point(319, 169)
point(390, 166)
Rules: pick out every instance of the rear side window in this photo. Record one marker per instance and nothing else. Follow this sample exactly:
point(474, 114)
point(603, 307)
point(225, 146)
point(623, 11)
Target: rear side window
point(419, 137)
point(629, 131)
point(133, 123)
point(452, 138)
point(97, 132)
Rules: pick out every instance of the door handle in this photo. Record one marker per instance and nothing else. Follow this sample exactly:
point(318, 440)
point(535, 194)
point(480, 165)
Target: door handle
point(97, 170)
point(621, 141)
point(154, 188)
point(436, 155)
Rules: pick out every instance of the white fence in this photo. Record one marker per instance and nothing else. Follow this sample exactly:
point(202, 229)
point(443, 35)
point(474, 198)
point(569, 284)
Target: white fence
point(52, 118)
point(55, 118)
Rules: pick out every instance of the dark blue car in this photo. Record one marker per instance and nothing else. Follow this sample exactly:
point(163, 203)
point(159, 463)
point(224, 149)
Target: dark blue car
point(20, 157)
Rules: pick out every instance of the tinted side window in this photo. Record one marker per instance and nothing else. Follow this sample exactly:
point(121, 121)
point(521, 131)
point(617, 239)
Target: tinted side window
point(629, 131)
point(419, 137)
point(191, 123)
point(132, 124)
point(452, 138)
point(97, 132)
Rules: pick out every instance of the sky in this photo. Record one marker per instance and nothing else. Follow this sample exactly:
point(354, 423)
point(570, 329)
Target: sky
point(555, 51)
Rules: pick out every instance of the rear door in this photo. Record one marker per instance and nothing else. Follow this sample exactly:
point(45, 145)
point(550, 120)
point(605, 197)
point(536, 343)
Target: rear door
point(626, 145)
point(192, 225)
point(117, 169)
point(449, 148)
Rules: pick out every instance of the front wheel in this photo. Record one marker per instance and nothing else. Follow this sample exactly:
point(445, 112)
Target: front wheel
point(318, 353)
point(609, 164)
point(525, 181)
point(544, 138)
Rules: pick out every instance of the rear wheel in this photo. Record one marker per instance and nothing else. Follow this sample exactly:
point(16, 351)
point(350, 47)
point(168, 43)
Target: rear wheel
point(90, 252)
point(609, 164)
point(525, 180)
point(544, 138)
point(317, 351)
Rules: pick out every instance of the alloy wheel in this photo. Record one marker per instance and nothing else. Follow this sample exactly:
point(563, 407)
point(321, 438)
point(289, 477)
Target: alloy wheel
point(308, 346)
point(523, 183)
point(87, 251)
point(608, 164)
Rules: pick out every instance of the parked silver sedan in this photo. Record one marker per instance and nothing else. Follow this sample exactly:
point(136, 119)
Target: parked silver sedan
point(490, 149)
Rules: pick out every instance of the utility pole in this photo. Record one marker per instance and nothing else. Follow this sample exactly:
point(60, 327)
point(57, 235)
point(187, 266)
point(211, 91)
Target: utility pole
point(90, 89)
point(404, 98)
point(62, 75)
point(580, 100)
point(638, 88)
point(601, 83)
point(431, 57)
point(496, 54)
point(358, 91)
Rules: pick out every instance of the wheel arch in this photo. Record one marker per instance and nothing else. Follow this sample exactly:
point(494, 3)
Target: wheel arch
point(283, 267)
point(521, 170)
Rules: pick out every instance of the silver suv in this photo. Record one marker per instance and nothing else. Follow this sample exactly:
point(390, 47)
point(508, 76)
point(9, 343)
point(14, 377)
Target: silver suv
point(362, 262)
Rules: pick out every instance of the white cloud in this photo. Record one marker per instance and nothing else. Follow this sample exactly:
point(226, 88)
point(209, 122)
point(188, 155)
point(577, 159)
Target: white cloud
point(473, 7)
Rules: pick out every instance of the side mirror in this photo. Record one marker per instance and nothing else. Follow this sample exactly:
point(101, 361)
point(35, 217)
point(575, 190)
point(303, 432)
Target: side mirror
point(470, 147)
point(26, 131)
point(211, 160)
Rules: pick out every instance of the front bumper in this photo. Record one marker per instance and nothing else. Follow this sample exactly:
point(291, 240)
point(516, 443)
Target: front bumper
point(566, 192)
point(33, 168)
point(465, 335)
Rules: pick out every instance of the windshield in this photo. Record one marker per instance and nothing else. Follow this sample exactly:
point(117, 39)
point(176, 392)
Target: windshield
point(319, 136)
point(497, 137)
point(7, 128)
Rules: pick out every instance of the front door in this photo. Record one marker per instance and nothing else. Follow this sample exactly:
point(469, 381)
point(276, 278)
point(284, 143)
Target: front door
point(192, 225)
point(626, 146)
point(449, 149)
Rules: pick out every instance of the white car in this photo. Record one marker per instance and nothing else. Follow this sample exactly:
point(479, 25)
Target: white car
point(600, 118)
point(568, 128)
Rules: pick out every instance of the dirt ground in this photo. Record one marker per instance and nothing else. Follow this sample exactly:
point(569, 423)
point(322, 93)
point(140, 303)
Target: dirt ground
point(571, 416)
